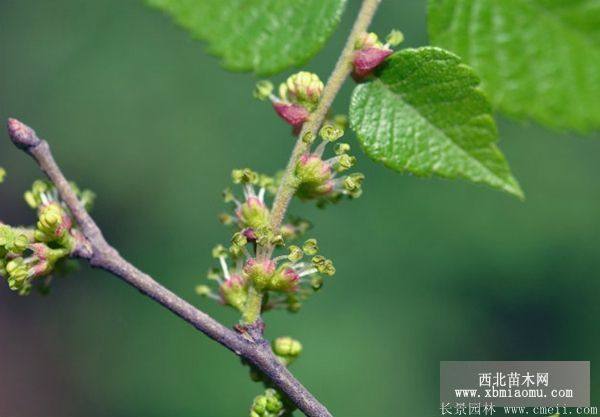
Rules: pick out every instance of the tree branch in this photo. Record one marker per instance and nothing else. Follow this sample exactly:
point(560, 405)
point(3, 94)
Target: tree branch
point(100, 254)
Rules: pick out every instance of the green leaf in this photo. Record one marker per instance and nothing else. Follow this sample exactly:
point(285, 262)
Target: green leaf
point(538, 59)
point(263, 36)
point(2, 174)
point(423, 114)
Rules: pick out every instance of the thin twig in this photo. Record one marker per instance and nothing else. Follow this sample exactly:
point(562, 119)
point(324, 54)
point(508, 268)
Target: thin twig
point(342, 70)
point(100, 254)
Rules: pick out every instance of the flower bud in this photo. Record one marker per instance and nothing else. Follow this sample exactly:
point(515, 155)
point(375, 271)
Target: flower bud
point(53, 223)
point(312, 169)
point(284, 280)
point(11, 240)
point(267, 405)
point(294, 114)
point(254, 214)
point(250, 234)
point(303, 88)
point(366, 60)
point(286, 346)
point(234, 292)
point(260, 273)
point(367, 40)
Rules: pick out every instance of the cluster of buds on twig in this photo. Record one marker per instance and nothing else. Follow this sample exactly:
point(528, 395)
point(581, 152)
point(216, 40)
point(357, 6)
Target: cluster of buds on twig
point(286, 280)
point(272, 402)
point(370, 53)
point(319, 179)
point(251, 214)
point(298, 97)
point(30, 253)
point(269, 404)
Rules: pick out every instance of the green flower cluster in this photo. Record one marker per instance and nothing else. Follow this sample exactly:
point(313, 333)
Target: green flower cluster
point(319, 179)
point(29, 253)
point(272, 402)
point(269, 266)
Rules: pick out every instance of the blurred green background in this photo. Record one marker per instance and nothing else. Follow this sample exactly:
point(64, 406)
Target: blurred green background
point(428, 270)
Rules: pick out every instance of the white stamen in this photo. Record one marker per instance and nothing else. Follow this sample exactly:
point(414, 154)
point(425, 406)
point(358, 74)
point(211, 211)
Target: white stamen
point(307, 272)
point(320, 149)
point(224, 267)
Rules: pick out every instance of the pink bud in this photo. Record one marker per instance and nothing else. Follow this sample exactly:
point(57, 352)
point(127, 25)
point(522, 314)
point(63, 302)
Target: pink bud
point(292, 278)
point(250, 234)
point(285, 280)
point(40, 268)
point(366, 60)
point(293, 114)
point(265, 267)
point(39, 250)
point(234, 280)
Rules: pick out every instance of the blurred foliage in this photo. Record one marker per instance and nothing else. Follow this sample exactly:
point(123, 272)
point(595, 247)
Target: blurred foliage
point(428, 270)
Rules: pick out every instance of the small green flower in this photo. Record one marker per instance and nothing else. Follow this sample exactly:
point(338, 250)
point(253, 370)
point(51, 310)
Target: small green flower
point(259, 273)
point(234, 292)
point(11, 240)
point(253, 213)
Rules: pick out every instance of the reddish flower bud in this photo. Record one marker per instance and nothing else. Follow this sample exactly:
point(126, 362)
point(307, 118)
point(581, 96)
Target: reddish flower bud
point(285, 280)
point(233, 292)
point(260, 273)
point(249, 234)
point(366, 60)
point(293, 114)
point(253, 213)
